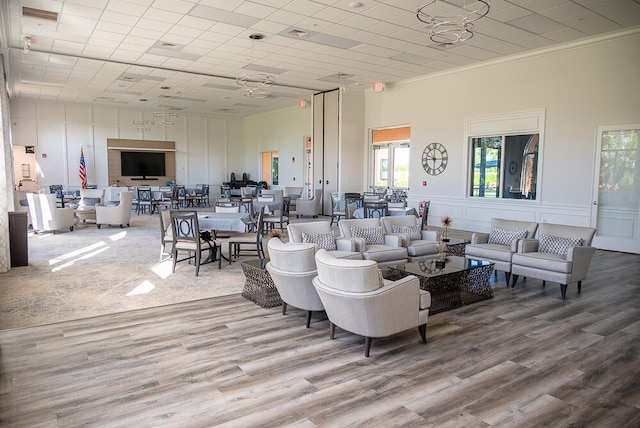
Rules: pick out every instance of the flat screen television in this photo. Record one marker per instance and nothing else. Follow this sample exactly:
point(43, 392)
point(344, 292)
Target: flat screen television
point(142, 164)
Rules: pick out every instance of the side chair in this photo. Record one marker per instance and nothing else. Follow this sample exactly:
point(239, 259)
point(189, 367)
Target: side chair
point(186, 238)
point(253, 240)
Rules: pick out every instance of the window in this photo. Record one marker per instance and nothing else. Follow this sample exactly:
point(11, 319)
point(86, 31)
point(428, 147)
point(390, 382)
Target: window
point(270, 167)
point(390, 148)
point(505, 166)
point(503, 163)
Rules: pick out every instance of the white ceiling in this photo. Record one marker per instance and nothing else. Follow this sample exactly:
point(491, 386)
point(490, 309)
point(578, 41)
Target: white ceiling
point(119, 52)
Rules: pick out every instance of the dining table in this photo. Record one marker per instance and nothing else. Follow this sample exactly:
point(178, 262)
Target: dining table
point(233, 222)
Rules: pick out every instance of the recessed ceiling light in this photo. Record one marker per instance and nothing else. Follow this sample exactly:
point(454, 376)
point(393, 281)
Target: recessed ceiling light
point(164, 87)
point(355, 4)
point(143, 99)
point(256, 36)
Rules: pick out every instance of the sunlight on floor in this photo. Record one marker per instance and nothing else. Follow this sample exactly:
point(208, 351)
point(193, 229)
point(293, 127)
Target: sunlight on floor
point(76, 253)
point(118, 236)
point(144, 288)
point(163, 269)
point(71, 262)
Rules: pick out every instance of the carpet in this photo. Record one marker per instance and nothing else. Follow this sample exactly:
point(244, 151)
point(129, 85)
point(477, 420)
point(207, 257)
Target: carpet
point(91, 272)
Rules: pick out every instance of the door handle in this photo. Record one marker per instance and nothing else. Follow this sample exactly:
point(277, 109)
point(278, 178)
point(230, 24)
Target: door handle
point(596, 203)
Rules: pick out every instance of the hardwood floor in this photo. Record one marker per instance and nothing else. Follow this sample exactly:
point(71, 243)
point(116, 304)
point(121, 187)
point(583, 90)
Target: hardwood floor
point(523, 358)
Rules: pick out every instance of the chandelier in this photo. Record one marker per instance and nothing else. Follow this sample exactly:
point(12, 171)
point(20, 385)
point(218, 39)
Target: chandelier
point(455, 26)
point(256, 86)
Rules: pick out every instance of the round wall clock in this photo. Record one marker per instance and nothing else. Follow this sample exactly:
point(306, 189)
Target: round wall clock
point(434, 159)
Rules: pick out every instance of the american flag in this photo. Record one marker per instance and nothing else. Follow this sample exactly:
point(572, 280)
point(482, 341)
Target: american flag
point(82, 173)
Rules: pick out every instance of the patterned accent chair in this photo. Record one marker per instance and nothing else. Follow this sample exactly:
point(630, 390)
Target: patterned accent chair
point(370, 240)
point(292, 268)
point(320, 234)
point(358, 300)
point(500, 243)
point(561, 254)
point(420, 244)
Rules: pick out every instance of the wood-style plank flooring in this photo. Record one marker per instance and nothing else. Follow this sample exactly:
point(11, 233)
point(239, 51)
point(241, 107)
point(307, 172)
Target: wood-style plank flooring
point(524, 358)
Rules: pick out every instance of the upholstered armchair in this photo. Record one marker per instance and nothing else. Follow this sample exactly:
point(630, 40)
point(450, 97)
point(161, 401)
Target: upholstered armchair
point(89, 199)
point(500, 243)
point(311, 207)
point(368, 235)
point(292, 268)
point(561, 254)
point(320, 234)
point(45, 215)
point(118, 215)
point(358, 300)
point(420, 244)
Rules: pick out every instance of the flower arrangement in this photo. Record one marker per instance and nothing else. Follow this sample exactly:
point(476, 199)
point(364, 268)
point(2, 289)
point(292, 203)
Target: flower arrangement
point(446, 223)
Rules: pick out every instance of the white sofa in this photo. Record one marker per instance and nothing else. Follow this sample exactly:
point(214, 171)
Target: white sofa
point(356, 299)
point(320, 234)
point(366, 232)
point(500, 243)
point(561, 254)
point(420, 244)
point(45, 215)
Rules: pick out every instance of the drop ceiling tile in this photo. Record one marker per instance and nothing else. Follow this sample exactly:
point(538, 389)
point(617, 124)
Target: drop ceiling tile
point(119, 18)
point(565, 35)
point(178, 6)
point(333, 15)
point(535, 23)
point(591, 23)
point(126, 7)
point(286, 17)
point(86, 11)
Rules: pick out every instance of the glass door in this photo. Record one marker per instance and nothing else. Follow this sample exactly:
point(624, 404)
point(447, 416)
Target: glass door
point(616, 195)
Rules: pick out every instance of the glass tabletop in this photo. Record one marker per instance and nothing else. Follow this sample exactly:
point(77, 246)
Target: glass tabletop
point(453, 264)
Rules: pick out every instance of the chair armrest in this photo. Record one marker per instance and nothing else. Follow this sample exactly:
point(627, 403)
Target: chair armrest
point(479, 238)
point(404, 238)
point(359, 243)
point(345, 244)
point(430, 235)
point(581, 258)
point(527, 245)
point(393, 240)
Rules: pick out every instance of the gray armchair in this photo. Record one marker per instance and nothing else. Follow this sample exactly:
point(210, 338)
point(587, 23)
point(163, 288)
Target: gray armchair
point(292, 268)
point(370, 240)
point(420, 244)
point(119, 215)
point(320, 234)
point(561, 254)
point(311, 207)
point(356, 299)
point(500, 243)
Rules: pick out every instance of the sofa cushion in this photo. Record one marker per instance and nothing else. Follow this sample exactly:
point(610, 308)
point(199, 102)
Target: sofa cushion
point(326, 241)
point(422, 248)
point(425, 299)
point(556, 244)
point(412, 231)
point(371, 235)
point(504, 236)
point(384, 253)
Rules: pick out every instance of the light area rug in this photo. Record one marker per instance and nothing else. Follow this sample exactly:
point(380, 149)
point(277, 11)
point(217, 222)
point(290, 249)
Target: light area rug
point(91, 272)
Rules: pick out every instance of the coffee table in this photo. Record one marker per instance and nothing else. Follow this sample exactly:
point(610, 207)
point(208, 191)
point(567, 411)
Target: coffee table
point(461, 282)
point(259, 287)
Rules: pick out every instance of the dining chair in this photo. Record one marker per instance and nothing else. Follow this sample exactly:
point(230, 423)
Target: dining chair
point(352, 202)
point(337, 210)
point(374, 209)
point(144, 200)
point(253, 240)
point(424, 213)
point(278, 217)
point(187, 238)
point(166, 232)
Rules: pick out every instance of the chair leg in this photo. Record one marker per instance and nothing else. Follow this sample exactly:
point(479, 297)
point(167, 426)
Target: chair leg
point(332, 330)
point(544, 284)
point(367, 346)
point(507, 276)
point(563, 291)
point(579, 286)
point(284, 308)
point(423, 332)
point(230, 252)
point(308, 318)
point(515, 279)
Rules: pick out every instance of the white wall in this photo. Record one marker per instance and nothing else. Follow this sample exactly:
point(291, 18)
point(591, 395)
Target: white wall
point(282, 131)
point(579, 88)
point(205, 146)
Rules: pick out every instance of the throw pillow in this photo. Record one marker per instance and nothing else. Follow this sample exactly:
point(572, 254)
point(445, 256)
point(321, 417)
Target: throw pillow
point(412, 231)
point(557, 244)
point(504, 236)
point(90, 202)
point(371, 235)
point(325, 241)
